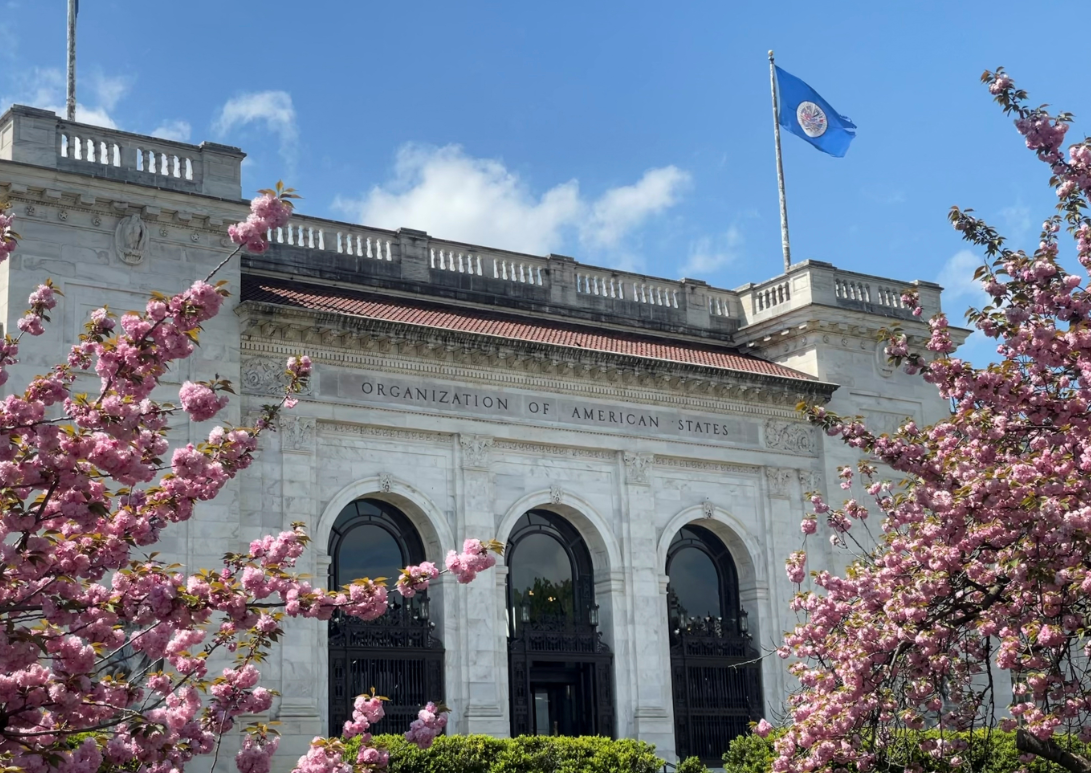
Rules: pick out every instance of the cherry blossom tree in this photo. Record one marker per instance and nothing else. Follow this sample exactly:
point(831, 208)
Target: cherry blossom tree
point(980, 574)
point(88, 486)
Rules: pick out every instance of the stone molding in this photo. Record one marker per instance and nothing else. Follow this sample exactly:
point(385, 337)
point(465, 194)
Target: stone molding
point(482, 374)
point(779, 480)
point(793, 437)
point(637, 468)
point(101, 211)
point(609, 372)
point(475, 451)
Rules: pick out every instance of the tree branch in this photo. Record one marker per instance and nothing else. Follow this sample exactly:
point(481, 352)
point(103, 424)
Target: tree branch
point(1049, 750)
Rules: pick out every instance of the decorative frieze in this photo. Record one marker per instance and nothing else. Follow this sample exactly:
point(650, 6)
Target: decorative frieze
point(545, 449)
point(703, 466)
point(385, 433)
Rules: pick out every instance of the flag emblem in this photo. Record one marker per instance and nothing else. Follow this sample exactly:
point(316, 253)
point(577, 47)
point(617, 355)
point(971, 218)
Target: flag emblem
point(805, 114)
point(811, 119)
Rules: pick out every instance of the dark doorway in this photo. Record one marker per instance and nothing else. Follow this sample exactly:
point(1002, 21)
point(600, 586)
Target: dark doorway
point(561, 673)
point(397, 654)
point(715, 670)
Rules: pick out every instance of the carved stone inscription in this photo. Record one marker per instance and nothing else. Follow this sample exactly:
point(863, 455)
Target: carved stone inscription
point(501, 403)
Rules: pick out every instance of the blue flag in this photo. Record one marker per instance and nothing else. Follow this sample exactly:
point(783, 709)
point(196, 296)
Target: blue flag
point(804, 113)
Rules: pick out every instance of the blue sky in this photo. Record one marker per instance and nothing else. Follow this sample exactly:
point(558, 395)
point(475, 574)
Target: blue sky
point(632, 134)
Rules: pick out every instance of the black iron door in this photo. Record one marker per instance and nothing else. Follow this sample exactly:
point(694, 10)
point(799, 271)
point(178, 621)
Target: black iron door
point(716, 678)
point(396, 654)
point(561, 683)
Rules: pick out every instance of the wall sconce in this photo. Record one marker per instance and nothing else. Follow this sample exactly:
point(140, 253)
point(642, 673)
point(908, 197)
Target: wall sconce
point(744, 623)
point(593, 616)
point(524, 611)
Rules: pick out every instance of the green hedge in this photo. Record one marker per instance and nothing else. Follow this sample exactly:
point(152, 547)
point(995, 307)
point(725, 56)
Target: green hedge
point(525, 754)
point(993, 752)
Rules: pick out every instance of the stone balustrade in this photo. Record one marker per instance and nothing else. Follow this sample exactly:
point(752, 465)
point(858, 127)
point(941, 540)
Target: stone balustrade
point(40, 137)
point(413, 260)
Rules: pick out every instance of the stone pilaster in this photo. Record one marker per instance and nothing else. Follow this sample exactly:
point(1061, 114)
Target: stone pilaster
point(481, 649)
point(646, 664)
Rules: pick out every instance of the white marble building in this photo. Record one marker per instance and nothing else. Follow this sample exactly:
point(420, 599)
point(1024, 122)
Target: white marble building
point(458, 388)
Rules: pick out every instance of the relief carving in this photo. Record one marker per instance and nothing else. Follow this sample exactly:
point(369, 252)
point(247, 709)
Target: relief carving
point(556, 494)
point(810, 480)
point(262, 376)
point(708, 509)
point(790, 436)
point(637, 467)
point(475, 451)
point(779, 480)
point(386, 482)
point(297, 433)
point(131, 240)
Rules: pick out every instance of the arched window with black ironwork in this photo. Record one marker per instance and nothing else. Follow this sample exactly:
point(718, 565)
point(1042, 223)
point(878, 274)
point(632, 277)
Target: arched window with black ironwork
point(397, 654)
point(560, 671)
point(715, 677)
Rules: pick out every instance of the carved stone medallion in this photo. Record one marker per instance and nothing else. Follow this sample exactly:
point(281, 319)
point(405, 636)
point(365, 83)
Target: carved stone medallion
point(131, 240)
point(475, 451)
point(637, 467)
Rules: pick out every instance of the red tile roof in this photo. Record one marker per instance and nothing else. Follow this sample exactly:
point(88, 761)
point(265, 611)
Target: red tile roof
point(479, 322)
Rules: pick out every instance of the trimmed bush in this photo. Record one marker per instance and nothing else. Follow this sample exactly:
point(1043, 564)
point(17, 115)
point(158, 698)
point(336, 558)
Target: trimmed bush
point(691, 765)
point(525, 754)
point(993, 752)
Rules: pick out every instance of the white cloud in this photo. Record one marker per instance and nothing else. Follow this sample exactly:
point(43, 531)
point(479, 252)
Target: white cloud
point(1017, 221)
point(622, 209)
point(173, 130)
point(957, 279)
point(46, 87)
point(271, 109)
point(478, 200)
point(710, 254)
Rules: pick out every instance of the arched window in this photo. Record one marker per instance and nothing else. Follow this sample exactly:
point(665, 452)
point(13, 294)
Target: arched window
point(372, 539)
point(715, 672)
point(547, 560)
point(397, 653)
point(703, 581)
point(560, 671)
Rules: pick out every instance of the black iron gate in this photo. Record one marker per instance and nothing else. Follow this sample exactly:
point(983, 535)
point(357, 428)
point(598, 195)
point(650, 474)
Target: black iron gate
point(716, 680)
point(395, 654)
point(569, 661)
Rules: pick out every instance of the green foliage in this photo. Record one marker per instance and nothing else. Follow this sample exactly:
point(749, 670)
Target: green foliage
point(525, 754)
point(989, 752)
point(691, 765)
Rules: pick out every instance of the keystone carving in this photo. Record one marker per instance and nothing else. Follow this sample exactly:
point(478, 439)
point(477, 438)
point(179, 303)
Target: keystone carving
point(708, 509)
point(475, 451)
point(386, 482)
point(556, 494)
point(789, 436)
point(131, 240)
point(637, 468)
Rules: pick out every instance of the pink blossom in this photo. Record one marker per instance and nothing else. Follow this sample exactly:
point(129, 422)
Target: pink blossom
point(199, 401)
point(763, 728)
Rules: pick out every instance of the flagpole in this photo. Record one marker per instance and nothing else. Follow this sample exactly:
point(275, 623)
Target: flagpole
point(71, 102)
point(780, 170)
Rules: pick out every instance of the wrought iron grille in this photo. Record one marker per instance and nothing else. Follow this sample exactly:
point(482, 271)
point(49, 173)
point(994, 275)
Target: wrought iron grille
point(396, 654)
point(716, 679)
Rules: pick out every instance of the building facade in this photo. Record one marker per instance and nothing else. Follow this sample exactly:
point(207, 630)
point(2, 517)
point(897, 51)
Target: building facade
point(632, 440)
